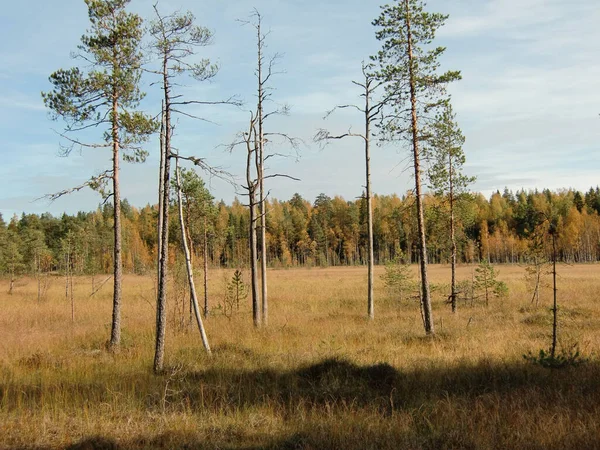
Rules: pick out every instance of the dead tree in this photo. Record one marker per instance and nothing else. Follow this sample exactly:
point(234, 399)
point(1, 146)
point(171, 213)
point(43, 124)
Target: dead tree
point(188, 262)
point(264, 72)
point(175, 39)
point(370, 111)
point(252, 155)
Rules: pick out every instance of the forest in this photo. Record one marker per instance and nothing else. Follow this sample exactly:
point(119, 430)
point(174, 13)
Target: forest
point(327, 232)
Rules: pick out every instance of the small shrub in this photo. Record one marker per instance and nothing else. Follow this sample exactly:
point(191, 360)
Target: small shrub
point(570, 357)
point(397, 278)
point(237, 290)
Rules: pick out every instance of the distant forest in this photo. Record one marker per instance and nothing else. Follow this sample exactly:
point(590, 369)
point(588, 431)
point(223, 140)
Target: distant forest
point(327, 232)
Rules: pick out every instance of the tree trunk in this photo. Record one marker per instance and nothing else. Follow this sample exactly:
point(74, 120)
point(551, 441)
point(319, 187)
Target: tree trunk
point(188, 264)
point(115, 334)
point(261, 187)
point(452, 236)
point(554, 306)
point(253, 261)
point(425, 298)
point(72, 296)
point(205, 260)
point(161, 302)
point(370, 300)
point(161, 190)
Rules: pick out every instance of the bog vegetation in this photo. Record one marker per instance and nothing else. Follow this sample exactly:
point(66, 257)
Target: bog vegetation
point(321, 375)
point(335, 355)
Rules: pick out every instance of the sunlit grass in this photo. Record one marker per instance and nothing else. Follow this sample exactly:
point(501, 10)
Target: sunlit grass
point(321, 375)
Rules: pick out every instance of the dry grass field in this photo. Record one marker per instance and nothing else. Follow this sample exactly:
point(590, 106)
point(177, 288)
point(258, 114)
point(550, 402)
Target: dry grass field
point(319, 376)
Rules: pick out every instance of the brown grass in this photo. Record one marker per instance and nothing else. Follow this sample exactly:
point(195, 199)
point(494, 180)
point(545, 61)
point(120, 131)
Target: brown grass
point(319, 376)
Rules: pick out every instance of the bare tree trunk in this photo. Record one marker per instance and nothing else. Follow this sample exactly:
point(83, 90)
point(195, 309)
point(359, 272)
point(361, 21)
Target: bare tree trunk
point(161, 302)
point(370, 300)
point(452, 234)
point(115, 334)
point(72, 295)
point(253, 261)
point(260, 175)
point(256, 316)
point(554, 306)
point(188, 264)
point(161, 190)
point(205, 258)
point(426, 298)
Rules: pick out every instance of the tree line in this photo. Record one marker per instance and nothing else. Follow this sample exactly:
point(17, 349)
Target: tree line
point(330, 231)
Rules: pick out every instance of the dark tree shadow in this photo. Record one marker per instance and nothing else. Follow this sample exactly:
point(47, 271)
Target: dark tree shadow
point(478, 406)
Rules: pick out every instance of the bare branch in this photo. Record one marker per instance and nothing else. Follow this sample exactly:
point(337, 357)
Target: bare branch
point(235, 101)
point(192, 116)
point(281, 175)
point(216, 172)
point(93, 183)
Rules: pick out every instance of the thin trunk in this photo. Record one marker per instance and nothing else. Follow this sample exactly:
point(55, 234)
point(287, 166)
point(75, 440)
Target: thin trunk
point(188, 264)
point(253, 261)
point(161, 189)
point(485, 283)
point(161, 302)
point(190, 243)
point(115, 333)
point(426, 298)
point(555, 306)
point(256, 313)
point(370, 300)
point(205, 258)
point(261, 187)
point(452, 237)
point(72, 296)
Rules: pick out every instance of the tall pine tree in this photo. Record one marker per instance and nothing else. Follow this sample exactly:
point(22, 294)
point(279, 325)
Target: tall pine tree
point(105, 95)
point(408, 64)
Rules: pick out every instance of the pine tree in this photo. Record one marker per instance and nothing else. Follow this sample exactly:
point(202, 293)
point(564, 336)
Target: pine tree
point(444, 149)
point(106, 96)
point(408, 65)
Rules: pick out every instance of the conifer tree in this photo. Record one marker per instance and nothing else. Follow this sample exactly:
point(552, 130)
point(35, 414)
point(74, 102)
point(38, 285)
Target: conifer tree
point(408, 65)
point(444, 148)
point(105, 96)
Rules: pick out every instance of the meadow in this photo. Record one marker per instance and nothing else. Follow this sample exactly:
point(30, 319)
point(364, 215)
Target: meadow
point(320, 375)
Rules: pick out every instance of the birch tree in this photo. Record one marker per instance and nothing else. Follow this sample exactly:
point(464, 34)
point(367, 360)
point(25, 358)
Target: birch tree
point(105, 96)
point(408, 64)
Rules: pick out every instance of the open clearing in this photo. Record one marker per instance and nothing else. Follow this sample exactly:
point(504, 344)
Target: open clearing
point(319, 376)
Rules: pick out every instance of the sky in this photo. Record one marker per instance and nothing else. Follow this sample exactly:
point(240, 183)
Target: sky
point(528, 103)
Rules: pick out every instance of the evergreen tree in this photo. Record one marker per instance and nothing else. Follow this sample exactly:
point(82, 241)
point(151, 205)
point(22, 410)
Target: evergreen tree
point(106, 96)
point(408, 65)
point(444, 148)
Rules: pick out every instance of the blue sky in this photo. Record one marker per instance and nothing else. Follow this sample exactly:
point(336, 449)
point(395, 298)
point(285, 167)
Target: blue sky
point(528, 103)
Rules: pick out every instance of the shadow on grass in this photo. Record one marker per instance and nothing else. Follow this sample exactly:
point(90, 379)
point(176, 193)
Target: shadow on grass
point(336, 404)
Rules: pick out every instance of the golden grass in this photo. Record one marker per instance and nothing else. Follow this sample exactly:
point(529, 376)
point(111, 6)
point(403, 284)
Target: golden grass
point(319, 376)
